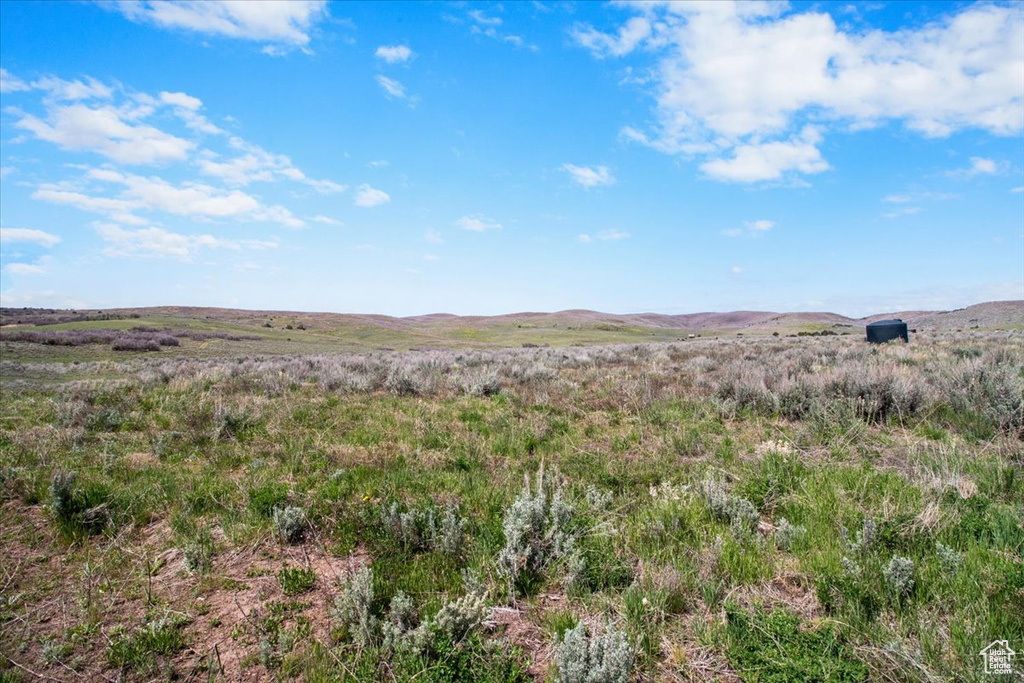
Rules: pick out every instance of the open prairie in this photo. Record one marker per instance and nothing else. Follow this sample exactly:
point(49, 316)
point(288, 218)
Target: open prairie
point(282, 496)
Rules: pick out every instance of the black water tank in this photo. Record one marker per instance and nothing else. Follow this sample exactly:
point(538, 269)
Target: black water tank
point(882, 331)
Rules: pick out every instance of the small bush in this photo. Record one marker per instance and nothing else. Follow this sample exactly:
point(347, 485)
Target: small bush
point(593, 659)
point(949, 559)
point(352, 609)
point(289, 524)
point(198, 553)
point(788, 534)
point(899, 575)
point(538, 530)
point(416, 529)
point(739, 512)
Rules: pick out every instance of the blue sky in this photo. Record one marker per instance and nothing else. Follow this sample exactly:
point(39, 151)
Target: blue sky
point(406, 158)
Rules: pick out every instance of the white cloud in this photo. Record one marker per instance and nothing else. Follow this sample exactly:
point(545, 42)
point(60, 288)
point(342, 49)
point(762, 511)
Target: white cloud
point(896, 198)
point(630, 35)
point(736, 81)
point(9, 83)
point(902, 211)
point(326, 220)
point(481, 18)
point(370, 196)
point(259, 165)
point(980, 166)
point(394, 54)
point(1018, 190)
point(751, 228)
point(391, 87)
point(485, 25)
point(60, 89)
point(769, 161)
point(379, 163)
point(433, 237)
point(193, 200)
point(431, 257)
point(39, 237)
point(106, 131)
point(158, 242)
point(589, 176)
point(604, 236)
point(6, 171)
point(735, 270)
point(282, 23)
point(478, 222)
point(180, 99)
point(25, 269)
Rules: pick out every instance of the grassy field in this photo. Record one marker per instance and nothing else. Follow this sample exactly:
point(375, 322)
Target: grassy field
point(747, 508)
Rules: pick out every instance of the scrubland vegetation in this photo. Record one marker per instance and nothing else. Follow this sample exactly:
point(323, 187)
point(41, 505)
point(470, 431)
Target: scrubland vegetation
point(757, 509)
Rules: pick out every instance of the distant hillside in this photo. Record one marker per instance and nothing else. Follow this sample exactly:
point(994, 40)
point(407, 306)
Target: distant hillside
point(296, 331)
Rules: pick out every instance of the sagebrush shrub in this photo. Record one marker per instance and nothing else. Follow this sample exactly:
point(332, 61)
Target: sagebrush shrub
point(899, 574)
point(289, 523)
point(949, 559)
point(739, 512)
point(62, 501)
point(537, 530)
point(594, 659)
point(415, 529)
point(787, 534)
point(352, 609)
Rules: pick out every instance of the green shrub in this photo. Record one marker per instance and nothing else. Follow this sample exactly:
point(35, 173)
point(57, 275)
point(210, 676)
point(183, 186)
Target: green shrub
point(593, 659)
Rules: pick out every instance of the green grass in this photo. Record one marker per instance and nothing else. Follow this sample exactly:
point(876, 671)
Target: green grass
point(177, 479)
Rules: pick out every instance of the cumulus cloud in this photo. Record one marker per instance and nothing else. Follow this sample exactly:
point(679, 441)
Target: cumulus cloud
point(280, 23)
point(478, 222)
point(394, 54)
point(158, 242)
point(736, 270)
point(9, 83)
point(106, 130)
point(628, 37)
point(59, 89)
point(368, 196)
point(197, 201)
point(769, 160)
point(326, 220)
point(39, 237)
point(180, 99)
point(980, 166)
point(589, 176)
point(737, 83)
